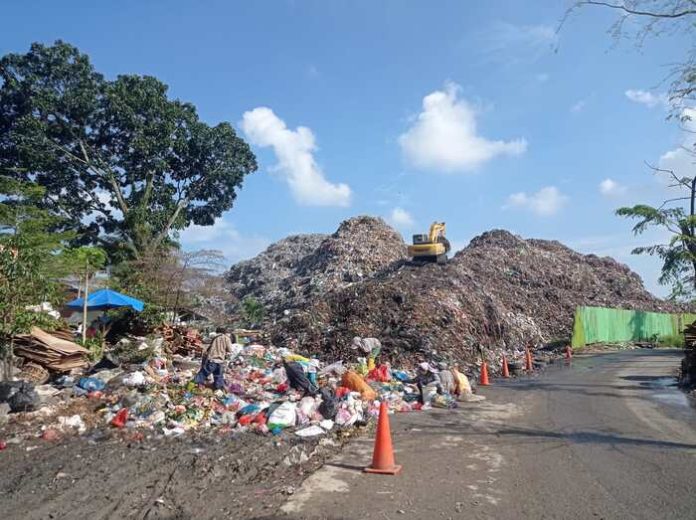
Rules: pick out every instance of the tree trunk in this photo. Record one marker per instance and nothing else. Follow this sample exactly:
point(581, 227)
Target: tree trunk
point(84, 307)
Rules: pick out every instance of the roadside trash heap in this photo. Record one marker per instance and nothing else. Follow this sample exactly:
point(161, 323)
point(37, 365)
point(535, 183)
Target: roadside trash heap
point(268, 390)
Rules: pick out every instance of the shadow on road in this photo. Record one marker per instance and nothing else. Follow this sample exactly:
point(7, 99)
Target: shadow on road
point(583, 437)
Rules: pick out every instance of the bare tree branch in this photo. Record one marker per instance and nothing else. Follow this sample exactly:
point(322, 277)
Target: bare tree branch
point(638, 12)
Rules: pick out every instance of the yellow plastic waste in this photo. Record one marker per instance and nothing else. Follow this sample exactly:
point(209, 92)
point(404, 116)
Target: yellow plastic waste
point(297, 357)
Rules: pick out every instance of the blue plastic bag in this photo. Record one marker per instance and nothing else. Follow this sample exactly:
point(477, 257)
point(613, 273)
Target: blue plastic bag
point(90, 384)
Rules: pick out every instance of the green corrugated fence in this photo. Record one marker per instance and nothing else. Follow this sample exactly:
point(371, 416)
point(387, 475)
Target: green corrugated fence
point(604, 325)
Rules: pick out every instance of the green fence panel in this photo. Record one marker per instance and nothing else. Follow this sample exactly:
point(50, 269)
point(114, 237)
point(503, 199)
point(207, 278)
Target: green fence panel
point(605, 325)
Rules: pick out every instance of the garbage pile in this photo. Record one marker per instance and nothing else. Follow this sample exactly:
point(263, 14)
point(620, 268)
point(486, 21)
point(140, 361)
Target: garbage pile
point(500, 293)
point(264, 276)
point(55, 352)
point(266, 390)
point(296, 268)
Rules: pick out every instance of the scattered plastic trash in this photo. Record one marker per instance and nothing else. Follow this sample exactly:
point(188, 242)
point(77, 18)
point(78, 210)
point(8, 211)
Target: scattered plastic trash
point(74, 421)
point(119, 421)
point(134, 379)
point(310, 431)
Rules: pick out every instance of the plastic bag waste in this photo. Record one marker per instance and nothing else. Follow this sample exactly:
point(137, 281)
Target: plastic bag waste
point(329, 404)
point(134, 379)
point(284, 416)
point(74, 421)
point(310, 431)
point(307, 406)
point(90, 384)
point(20, 395)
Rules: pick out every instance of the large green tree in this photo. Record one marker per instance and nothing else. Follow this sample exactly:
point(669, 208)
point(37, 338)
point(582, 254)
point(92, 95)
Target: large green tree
point(120, 160)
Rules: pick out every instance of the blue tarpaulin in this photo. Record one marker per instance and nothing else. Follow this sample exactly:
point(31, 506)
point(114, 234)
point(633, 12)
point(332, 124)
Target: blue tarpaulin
point(105, 299)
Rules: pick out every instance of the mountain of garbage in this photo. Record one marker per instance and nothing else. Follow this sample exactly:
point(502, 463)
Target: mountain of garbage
point(501, 292)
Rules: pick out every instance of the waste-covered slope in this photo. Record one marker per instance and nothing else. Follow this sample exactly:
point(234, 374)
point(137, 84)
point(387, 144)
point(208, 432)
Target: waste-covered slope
point(296, 269)
point(500, 292)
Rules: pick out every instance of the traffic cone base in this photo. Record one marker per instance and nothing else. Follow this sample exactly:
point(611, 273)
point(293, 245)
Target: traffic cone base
point(390, 471)
point(506, 370)
point(383, 455)
point(484, 375)
point(528, 360)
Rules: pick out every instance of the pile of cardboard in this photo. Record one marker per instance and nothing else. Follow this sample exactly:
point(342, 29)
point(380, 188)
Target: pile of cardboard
point(55, 353)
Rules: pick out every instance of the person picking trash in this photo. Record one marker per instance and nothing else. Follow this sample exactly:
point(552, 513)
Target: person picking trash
point(428, 382)
point(214, 358)
point(370, 346)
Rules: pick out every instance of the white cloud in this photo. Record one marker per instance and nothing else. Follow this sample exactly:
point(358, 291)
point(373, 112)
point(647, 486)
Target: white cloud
point(399, 217)
point(444, 136)
point(519, 43)
point(682, 160)
point(223, 236)
point(611, 188)
point(647, 98)
point(294, 151)
point(545, 202)
point(578, 107)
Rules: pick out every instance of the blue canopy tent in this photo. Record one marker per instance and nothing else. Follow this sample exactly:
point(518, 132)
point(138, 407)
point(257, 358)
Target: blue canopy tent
point(105, 299)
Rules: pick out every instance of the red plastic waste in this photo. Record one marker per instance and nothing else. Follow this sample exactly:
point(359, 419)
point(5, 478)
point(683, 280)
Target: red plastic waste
point(121, 418)
point(50, 435)
point(245, 420)
point(342, 391)
point(3, 445)
point(381, 374)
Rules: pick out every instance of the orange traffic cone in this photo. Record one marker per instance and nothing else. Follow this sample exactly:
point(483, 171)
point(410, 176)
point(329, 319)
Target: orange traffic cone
point(568, 353)
point(483, 381)
point(528, 361)
point(383, 456)
point(506, 370)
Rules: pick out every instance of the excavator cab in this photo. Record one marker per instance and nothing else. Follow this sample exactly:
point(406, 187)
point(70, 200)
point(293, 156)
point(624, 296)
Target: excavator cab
point(432, 247)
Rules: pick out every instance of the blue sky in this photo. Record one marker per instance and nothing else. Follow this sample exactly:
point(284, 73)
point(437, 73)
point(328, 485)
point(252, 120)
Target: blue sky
point(476, 113)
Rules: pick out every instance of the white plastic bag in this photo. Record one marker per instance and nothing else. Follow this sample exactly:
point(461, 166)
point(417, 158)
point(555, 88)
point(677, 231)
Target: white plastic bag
point(311, 431)
point(285, 415)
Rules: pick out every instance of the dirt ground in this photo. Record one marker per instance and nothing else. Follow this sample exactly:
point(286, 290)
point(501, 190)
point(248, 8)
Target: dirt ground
point(107, 476)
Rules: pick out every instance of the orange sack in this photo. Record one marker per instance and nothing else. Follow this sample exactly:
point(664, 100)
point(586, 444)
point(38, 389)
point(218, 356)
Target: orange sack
point(356, 383)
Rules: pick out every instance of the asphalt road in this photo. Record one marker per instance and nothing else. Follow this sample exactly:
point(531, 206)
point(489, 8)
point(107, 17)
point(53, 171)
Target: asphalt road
point(607, 437)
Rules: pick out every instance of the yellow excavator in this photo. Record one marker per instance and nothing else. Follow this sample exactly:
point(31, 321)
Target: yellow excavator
point(432, 247)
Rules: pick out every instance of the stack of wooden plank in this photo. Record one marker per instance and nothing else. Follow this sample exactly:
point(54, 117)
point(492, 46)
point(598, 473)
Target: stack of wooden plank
point(690, 336)
point(50, 351)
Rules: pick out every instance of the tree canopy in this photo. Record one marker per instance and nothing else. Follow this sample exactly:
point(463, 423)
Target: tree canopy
point(121, 162)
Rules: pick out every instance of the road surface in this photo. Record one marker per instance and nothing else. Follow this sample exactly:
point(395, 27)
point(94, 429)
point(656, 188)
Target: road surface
point(607, 437)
